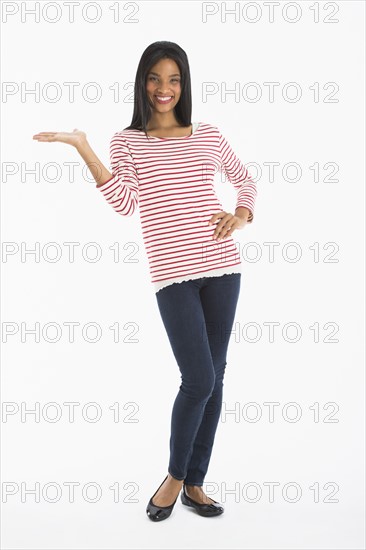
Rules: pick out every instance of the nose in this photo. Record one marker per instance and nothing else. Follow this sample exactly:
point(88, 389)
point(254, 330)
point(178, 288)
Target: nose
point(163, 87)
point(164, 91)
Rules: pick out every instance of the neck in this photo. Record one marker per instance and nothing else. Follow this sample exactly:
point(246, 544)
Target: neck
point(162, 121)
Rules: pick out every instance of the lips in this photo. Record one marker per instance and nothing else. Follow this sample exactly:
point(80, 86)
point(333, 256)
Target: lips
point(163, 99)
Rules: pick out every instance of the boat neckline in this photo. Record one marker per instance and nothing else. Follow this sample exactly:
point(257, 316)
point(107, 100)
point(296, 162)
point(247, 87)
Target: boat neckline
point(175, 137)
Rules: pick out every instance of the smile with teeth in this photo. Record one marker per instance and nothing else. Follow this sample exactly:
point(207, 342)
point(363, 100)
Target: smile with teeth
point(163, 99)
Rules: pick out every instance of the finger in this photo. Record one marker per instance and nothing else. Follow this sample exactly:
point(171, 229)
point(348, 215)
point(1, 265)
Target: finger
point(46, 138)
point(214, 217)
point(224, 219)
point(230, 232)
point(228, 229)
point(43, 138)
point(223, 233)
point(222, 224)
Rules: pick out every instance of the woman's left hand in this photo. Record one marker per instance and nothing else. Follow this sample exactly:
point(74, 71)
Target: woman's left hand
point(228, 224)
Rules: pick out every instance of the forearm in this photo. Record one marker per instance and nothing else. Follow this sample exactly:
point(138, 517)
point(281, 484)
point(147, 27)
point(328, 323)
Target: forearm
point(96, 167)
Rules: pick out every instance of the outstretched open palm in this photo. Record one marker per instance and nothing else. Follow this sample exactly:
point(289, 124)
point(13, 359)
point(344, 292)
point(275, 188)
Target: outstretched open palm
point(72, 138)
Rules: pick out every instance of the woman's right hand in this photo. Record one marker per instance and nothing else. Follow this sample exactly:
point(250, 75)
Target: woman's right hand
point(75, 138)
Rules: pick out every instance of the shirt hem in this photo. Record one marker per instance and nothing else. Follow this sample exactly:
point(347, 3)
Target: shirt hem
point(236, 268)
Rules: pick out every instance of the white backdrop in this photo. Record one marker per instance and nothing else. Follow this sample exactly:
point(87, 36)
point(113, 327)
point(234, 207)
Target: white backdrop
point(88, 375)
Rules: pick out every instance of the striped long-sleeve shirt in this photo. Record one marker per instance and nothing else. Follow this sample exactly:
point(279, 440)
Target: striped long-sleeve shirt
point(171, 181)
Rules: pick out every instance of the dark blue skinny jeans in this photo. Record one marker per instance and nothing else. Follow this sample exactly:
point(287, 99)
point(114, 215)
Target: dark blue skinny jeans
point(198, 316)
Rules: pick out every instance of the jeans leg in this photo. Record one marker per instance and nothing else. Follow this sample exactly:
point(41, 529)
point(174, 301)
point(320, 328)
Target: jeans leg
point(183, 317)
point(219, 300)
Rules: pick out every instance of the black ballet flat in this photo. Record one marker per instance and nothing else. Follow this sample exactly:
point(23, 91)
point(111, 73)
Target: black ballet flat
point(158, 513)
point(207, 510)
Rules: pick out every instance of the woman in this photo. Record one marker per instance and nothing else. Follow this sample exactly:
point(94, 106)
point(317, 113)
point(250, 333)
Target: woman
point(165, 164)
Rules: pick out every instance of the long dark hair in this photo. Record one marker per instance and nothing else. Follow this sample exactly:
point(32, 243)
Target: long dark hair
point(142, 109)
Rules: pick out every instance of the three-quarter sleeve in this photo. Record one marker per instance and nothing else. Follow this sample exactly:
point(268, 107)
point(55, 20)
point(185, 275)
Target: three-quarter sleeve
point(121, 191)
point(239, 176)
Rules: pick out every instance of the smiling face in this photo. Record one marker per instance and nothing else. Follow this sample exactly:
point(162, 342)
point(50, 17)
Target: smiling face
point(163, 85)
